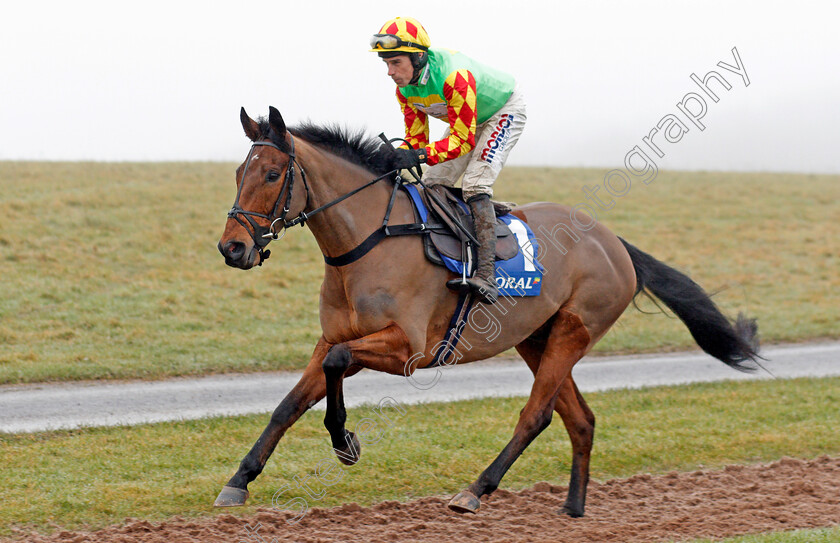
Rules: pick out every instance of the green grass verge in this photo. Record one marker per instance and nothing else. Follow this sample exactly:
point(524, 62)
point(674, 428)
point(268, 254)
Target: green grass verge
point(101, 476)
point(827, 535)
point(110, 270)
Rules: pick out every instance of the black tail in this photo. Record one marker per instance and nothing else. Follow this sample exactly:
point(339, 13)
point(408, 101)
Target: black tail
point(732, 344)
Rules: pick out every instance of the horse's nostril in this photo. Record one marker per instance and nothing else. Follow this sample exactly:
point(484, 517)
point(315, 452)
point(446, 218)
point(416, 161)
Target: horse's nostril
point(233, 250)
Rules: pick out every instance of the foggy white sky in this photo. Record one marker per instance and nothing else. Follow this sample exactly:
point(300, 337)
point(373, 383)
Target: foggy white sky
point(165, 80)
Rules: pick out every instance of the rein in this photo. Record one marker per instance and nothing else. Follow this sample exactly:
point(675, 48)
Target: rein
point(263, 235)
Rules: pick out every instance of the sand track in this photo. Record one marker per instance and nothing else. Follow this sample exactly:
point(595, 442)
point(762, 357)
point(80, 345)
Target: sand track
point(785, 495)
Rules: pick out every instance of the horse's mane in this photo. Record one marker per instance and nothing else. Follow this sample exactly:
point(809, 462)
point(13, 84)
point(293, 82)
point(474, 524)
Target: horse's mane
point(352, 145)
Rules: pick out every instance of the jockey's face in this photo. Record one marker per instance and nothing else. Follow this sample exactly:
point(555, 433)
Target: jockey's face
point(400, 69)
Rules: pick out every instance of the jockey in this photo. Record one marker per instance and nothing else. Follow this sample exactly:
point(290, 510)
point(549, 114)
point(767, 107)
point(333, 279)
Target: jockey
point(485, 112)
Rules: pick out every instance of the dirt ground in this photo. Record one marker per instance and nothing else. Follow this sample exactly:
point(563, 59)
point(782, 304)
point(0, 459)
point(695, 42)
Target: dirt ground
point(785, 495)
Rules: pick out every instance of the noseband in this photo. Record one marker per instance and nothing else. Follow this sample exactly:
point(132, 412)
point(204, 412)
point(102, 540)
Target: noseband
point(262, 235)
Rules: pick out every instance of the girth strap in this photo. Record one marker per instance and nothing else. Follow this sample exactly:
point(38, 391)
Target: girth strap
point(456, 328)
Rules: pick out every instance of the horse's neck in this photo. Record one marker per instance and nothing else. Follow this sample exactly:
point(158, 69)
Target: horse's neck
point(344, 226)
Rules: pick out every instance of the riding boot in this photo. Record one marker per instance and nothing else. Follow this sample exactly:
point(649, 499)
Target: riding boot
point(483, 282)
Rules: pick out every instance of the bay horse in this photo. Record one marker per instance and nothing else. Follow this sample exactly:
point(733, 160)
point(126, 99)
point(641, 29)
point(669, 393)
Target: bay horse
point(389, 308)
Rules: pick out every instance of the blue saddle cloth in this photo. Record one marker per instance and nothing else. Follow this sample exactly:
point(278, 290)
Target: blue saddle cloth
point(517, 276)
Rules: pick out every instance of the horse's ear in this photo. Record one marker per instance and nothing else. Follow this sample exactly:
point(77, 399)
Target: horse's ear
point(276, 121)
point(252, 129)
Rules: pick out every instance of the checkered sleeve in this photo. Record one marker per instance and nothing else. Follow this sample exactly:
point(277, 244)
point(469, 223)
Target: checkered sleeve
point(460, 94)
point(416, 123)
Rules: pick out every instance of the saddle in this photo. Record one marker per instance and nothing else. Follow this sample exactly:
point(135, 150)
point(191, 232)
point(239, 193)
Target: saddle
point(446, 206)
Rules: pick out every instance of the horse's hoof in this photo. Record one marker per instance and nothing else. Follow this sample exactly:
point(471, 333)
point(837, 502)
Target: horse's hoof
point(465, 502)
point(572, 511)
point(231, 497)
point(351, 454)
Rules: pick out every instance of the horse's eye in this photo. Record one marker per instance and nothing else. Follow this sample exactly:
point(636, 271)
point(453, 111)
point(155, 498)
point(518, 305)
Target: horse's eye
point(272, 176)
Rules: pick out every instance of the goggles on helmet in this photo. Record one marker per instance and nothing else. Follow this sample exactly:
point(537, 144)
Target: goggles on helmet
point(390, 41)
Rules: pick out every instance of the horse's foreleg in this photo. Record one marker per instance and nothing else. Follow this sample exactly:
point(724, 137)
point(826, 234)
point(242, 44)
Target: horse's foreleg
point(306, 393)
point(580, 423)
point(566, 344)
point(344, 442)
point(386, 350)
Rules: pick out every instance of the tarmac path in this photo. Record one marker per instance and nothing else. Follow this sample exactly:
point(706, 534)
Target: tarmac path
point(42, 407)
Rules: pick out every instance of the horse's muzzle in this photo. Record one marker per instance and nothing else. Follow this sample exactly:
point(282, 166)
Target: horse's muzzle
point(237, 255)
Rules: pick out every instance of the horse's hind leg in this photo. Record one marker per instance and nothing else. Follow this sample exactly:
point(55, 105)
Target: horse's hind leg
point(306, 393)
point(580, 423)
point(566, 344)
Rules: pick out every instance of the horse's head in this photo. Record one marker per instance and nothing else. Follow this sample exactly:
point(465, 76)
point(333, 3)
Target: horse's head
point(265, 192)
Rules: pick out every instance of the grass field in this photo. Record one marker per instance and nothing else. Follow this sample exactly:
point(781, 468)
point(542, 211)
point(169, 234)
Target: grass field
point(101, 476)
point(110, 270)
point(827, 535)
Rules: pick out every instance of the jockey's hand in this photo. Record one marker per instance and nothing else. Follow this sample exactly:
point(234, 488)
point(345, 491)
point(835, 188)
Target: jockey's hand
point(409, 158)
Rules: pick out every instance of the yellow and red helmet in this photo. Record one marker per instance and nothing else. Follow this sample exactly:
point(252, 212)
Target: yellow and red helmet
point(401, 34)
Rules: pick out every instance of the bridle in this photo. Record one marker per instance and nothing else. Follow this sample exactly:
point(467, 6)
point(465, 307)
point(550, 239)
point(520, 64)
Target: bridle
point(262, 235)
